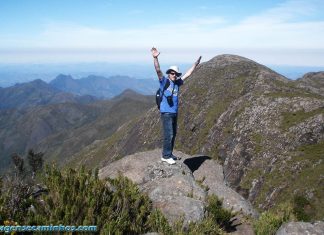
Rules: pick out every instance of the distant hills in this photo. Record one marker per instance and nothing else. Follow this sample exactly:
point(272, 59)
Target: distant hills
point(103, 87)
point(40, 116)
point(100, 120)
point(36, 93)
point(11, 74)
point(64, 88)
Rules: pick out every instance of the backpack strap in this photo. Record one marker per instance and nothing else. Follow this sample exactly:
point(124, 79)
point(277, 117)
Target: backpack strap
point(172, 88)
point(167, 84)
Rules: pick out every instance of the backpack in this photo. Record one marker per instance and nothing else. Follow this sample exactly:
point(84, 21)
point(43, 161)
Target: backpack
point(159, 94)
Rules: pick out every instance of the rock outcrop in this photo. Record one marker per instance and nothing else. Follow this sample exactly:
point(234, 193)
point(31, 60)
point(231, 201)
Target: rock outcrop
point(313, 82)
point(301, 228)
point(178, 190)
point(210, 173)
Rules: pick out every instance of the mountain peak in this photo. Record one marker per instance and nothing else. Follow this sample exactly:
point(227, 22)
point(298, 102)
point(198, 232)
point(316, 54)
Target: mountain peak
point(226, 59)
point(128, 93)
point(63, 77)
point(227, 66)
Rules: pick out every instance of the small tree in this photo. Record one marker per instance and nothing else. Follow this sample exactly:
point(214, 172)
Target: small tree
point(18, 163)
point(35, 160)
point(17, 188)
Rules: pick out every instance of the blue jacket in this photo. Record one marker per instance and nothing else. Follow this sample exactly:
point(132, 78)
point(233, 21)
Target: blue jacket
point(174, 86)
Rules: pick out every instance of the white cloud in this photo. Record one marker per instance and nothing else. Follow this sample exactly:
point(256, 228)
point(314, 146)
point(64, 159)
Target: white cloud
point(275, 32)
point(284, 12)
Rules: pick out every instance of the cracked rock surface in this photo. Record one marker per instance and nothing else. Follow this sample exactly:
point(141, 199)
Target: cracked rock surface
point(180, 189)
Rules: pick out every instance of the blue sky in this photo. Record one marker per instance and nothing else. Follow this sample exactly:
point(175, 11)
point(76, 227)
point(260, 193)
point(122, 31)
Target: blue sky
point(270, 32)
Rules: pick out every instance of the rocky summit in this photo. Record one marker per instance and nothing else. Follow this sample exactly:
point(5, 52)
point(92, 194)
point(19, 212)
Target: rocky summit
point(266, 130)
point(180, 189)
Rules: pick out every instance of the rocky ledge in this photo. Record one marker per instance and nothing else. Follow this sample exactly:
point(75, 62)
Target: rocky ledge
point(180, 189)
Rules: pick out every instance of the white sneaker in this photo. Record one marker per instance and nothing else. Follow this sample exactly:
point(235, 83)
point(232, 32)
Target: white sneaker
point(168, 160)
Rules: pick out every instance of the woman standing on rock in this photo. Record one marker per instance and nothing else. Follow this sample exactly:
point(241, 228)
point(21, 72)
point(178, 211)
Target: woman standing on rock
point(169, 104)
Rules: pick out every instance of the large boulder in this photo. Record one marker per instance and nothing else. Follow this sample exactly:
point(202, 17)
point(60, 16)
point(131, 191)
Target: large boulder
point(180, 189)
point(172, 188)
point(301, 228)
point(210, 173)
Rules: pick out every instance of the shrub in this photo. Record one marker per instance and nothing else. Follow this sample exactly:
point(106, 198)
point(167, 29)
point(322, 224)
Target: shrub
point(158, 223)
point(218, 214)
point(15, 191)
point(206, 226)
point(302, 208)
point(269, 222)
point(80, 198)
point(115, 206)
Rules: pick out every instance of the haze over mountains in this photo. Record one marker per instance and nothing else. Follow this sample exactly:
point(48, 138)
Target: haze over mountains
point(39, 114)
point(11, 74)
point(36, 93)
point(103, 87)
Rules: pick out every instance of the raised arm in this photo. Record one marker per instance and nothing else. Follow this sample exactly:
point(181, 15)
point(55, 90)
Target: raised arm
point(193, 67)
point(155, 54)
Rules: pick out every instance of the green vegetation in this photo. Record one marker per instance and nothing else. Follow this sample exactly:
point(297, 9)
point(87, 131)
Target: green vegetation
point(270, 221)
point(217, 103)
point(311, 151)
point(253, 173)
point(286, 84)
point(293, 94)
point(79, 197)
point(16, 187)
point(257, 139)
point(292, 118)
point(290, 89)
point(217, 213)
point(303, 208)
point(202, 185)
point(234, 90)
point(92, 157)
point(298, 176)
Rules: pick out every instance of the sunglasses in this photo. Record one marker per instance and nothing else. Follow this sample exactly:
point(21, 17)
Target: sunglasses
point(173, 73)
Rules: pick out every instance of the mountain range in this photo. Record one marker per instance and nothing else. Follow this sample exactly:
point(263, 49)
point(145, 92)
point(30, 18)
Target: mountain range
point(64, 89)
point(103, 87)
point(37, 93)
point(38, 115)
